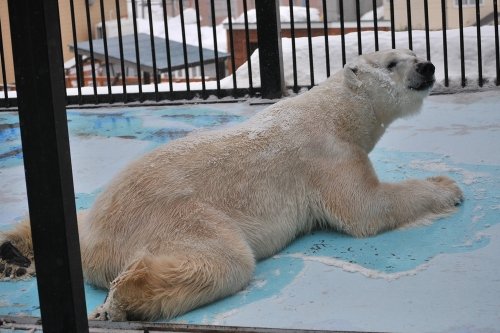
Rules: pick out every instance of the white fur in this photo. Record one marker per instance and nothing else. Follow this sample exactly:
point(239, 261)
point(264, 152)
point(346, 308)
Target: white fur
point(184, 225)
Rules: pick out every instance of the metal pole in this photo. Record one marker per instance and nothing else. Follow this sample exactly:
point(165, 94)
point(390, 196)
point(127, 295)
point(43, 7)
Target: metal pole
point(270, 55)
point(38, 62)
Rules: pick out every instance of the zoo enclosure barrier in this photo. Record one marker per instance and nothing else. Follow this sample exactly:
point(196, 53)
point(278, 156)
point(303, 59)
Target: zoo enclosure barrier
point(42, 95)
point(129, 51)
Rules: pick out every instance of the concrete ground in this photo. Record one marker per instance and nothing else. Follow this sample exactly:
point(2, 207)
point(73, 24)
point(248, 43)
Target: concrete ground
point(442, 277)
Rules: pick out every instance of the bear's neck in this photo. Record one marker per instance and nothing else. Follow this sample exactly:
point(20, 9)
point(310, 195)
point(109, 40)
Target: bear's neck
point(371, 135)
point(347, 116)
point(362, 123)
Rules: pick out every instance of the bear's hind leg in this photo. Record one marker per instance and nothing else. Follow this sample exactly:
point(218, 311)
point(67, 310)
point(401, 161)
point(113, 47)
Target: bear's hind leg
point(164, 286)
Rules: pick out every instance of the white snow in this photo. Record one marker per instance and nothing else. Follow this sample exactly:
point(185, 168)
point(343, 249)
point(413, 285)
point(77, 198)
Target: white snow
point(174, 29)
point(319, 54)
point(368, 16)
point(385, 42)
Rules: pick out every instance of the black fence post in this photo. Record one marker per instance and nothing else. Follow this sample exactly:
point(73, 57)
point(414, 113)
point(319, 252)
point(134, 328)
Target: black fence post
point(272, 79)
point(79, 71)
point(38, 63)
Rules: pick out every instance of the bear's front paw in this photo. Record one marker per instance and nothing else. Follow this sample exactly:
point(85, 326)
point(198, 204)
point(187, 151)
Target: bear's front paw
point(13, 265)
point(452, 194)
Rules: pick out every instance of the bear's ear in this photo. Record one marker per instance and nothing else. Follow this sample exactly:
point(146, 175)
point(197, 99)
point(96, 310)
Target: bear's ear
point(351, 76)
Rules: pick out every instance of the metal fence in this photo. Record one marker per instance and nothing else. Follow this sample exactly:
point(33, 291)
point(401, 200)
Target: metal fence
point(129, 51)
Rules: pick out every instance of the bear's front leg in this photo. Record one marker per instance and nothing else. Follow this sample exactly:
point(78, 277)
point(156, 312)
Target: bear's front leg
point(398, 204)
point(356, 202)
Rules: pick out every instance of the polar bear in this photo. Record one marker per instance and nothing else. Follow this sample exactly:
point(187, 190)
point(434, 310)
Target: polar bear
point(185, 224)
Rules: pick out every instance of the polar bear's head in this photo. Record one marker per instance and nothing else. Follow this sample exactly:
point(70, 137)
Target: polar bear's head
point(396, 81)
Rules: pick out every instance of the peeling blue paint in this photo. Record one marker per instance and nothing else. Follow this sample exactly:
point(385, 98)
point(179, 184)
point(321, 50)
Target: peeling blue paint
point(406, 249)
point(391, 252)
point(171, 123)
point(10, 141)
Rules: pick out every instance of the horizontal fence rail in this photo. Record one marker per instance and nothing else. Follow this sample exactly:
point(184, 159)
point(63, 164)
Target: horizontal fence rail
point(137, 51)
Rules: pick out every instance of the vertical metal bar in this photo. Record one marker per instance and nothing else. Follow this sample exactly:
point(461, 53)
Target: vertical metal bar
point(200, 47)
point(91, 46)
point(137, 52)
point(153, 50)
point(167, 45)
point(75, 50)
point(38, 61)
point(309, 42)
point(270, 54)
point(408, 17)
point(231, 42)
point(479, 53)
point(445, 42)
point(325, 32)
point(462, 46)
point(216, 53)
point(249, 55)
point(497, 47)
point(80, 68)
point(342, 30)
point(358, 25)
point(120, 46)
point(2, 63)
point(427, 38)
point(184, 48)
point(106, 56)
point(375, 23)
point(393, 28)
point(63, 72)
point(294, 54)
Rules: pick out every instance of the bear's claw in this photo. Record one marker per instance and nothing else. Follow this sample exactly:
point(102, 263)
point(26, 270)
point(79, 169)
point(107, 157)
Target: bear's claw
point(13, 264)
point(11, 255)
point(100, 315)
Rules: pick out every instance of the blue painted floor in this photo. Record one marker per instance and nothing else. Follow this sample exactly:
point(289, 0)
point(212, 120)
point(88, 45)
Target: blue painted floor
point(442, 277)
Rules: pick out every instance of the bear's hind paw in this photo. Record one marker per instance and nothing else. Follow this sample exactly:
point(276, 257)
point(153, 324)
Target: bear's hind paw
point(13, 265)
point(99, 314)
point(107, 312)
point(10, 272)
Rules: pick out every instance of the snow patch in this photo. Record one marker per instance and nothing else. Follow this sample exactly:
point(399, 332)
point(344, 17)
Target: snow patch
point(385, 42)
point(319, 57)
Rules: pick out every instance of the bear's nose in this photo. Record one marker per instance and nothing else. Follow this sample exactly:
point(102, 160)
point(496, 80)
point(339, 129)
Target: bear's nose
point(426, 68)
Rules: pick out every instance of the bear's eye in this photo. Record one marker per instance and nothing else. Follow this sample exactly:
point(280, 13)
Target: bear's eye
point(391, 65)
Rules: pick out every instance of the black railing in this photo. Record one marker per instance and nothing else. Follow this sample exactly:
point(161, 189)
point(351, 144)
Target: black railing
point(5, 98)
point(120, 73)
point(47, 164)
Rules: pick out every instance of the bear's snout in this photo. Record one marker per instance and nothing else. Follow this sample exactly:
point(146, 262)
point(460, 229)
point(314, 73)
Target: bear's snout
point(423, 79)
point(426, 69)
